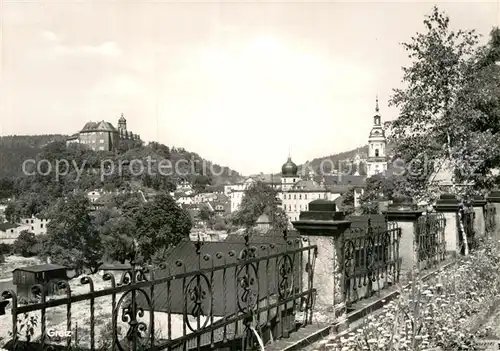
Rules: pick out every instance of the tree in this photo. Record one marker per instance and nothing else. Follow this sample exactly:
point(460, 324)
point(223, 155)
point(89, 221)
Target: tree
point(219, 224)
point(160, 224)
point(205, 213)
point(201, 182)
point(7, 188)
point(372, 195)
point(117, 237)
point(348, 201)
point(73, 239)
point(430, 126)
point(260, 198)
point(25, 244)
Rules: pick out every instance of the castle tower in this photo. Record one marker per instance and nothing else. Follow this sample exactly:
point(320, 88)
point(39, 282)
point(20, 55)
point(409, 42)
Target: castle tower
point(122, 125)
point(377, 160)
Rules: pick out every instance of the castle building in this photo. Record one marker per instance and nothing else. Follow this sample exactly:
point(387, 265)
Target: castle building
point(103, 136)
point(377, 158)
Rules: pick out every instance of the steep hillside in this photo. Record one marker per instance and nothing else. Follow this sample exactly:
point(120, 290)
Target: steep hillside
point(14, 150)
point(324, 164)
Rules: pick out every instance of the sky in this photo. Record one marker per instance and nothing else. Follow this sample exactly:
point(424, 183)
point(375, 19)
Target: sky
point(242, 83)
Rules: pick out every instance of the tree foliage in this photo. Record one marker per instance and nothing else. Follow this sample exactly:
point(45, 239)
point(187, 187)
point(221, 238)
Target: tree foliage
point(160, 224)
point(25, 244)
point(73, 239)
point(347, 205)
point(381, 187)
point(86, 166)
point(441, 105)
point(260, 198)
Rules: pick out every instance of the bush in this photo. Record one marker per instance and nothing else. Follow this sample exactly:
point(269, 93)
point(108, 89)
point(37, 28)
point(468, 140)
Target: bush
point(6, 249)
point(219, 224)
point(25, 243)
point(438, 314)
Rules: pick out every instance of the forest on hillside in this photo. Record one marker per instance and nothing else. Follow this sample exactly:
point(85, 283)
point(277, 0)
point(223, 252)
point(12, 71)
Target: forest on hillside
point(89, 170)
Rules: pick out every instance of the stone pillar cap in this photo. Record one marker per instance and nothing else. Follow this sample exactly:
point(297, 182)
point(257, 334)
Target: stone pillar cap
point(447, 203)
point(403, 209)
point(494, 196)
point(478, 200)
point(321, 219)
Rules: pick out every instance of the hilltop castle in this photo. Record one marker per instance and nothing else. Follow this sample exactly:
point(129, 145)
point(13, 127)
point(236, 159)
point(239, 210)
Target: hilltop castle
point(103, 136)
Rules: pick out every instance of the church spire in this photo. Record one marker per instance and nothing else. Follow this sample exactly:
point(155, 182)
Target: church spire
point(376, 104)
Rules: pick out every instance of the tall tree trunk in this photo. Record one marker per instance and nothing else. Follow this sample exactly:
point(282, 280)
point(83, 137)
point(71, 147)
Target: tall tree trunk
point(462, 234)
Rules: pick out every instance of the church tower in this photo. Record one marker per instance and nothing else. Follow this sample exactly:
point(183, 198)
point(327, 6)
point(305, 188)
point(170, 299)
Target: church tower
point(289, 175)
point(377, 160)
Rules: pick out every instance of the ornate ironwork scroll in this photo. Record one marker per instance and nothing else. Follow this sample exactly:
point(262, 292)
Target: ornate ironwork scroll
point(370, 260)
point(286, 277)
point(431, 246)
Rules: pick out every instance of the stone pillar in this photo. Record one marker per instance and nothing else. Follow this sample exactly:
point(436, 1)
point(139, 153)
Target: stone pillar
point(324, 226)
point(449, 205)
point(406, 214)
point(478, 204)
point(494, 199)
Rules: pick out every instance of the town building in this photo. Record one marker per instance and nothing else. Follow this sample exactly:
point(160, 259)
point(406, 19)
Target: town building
point(10, 231)
point(35, 225)
point(297, 189)
point(103, 136)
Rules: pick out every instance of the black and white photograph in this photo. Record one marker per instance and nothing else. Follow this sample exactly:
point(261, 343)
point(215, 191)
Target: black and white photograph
point(249, 175)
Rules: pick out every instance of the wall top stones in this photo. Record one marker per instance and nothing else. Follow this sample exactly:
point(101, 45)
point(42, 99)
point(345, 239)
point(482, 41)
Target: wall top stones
point(494, 196)
point(478, 201)
point(447, 203)
point(322, 206)
point(322, 219)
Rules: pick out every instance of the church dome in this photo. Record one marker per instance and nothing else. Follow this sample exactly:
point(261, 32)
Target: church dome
point(289, 169)
point(122, 119)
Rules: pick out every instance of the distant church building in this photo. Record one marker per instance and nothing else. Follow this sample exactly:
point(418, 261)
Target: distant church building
point(377, 158)
point(103, 136)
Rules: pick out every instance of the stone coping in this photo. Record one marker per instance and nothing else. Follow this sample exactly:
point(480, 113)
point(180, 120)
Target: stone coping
point(479, 202)
point(447, 207)
point(321, 227)
point(403, 215)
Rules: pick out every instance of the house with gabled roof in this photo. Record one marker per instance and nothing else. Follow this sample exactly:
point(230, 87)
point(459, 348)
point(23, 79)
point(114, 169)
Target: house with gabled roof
point(10, 231)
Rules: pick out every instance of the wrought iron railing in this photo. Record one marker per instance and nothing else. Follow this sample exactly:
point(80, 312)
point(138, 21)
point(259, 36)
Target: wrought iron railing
point(371, 260)
point(430, 240)
point(489, 216)
point(206, 300)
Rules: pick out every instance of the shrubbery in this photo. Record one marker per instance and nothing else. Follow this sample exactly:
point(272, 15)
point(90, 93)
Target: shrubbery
point(439, 314)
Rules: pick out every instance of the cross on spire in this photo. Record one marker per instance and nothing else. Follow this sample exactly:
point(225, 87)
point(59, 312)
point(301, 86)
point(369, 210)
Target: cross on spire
point(376, 104)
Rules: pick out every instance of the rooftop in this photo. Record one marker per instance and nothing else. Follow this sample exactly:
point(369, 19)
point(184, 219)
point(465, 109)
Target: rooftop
point(7, 226)
point(41, 268)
